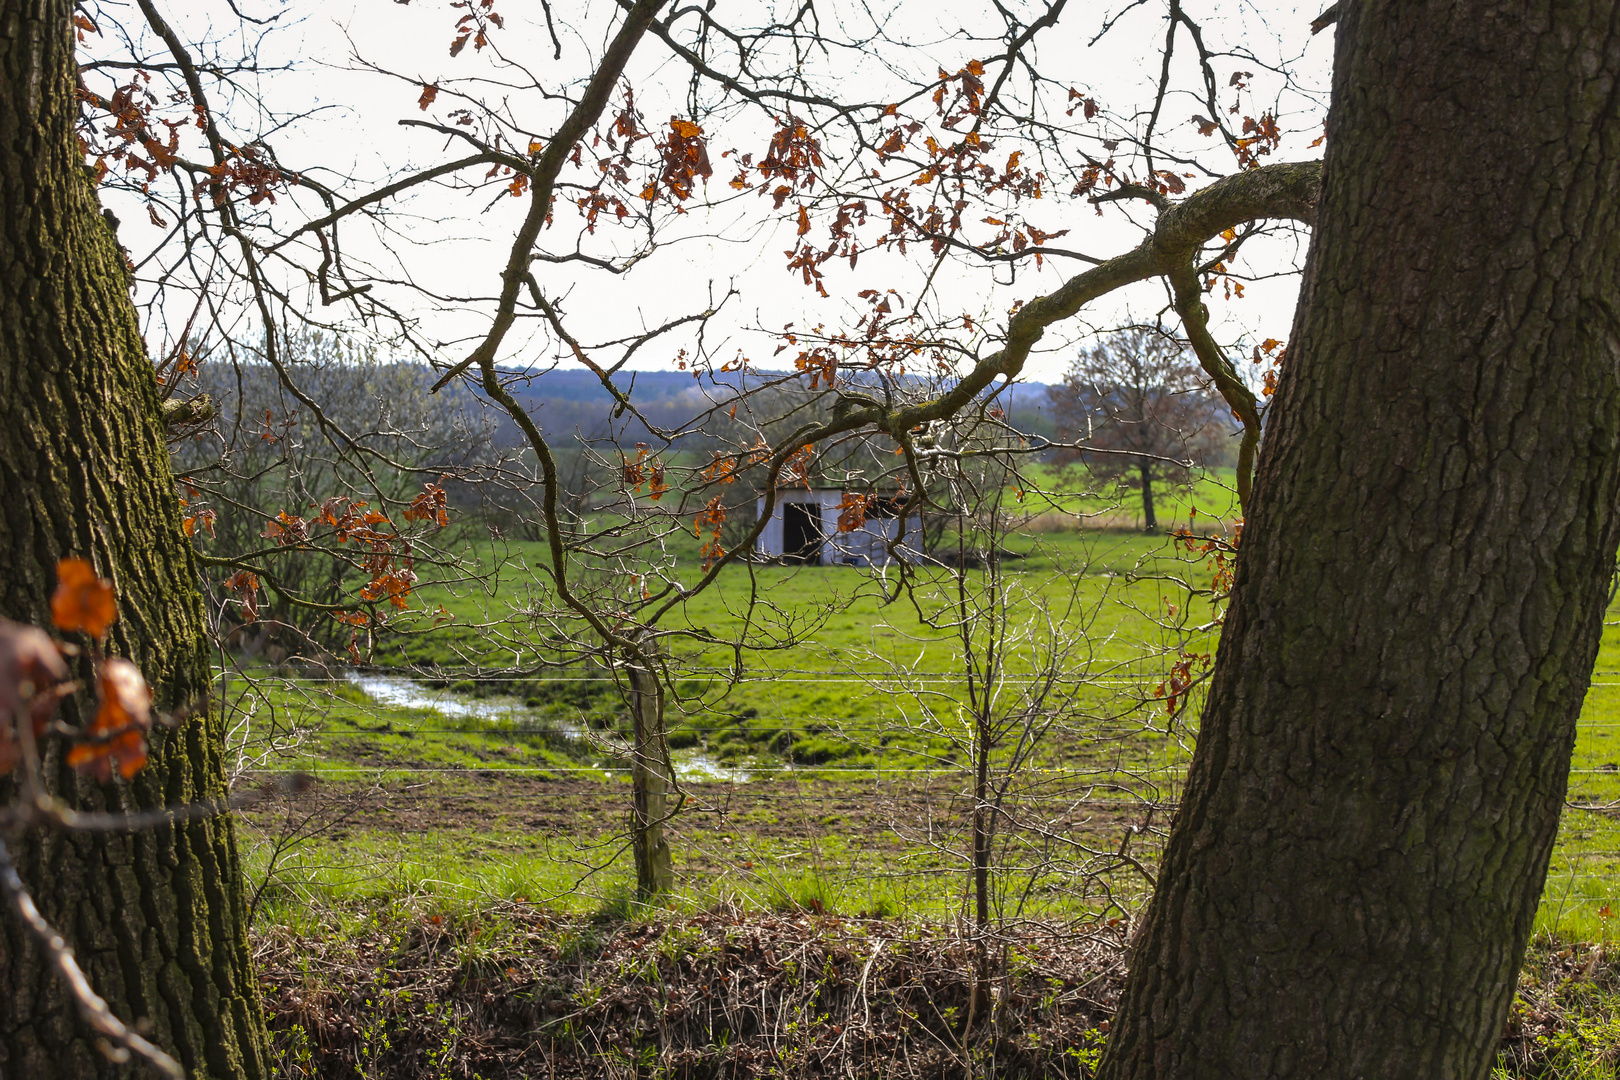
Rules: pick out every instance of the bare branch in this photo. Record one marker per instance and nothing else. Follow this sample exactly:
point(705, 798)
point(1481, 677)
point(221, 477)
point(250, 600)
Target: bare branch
point(123, 1042)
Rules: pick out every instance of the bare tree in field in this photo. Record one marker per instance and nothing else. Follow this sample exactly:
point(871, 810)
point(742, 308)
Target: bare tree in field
point(1138, 409)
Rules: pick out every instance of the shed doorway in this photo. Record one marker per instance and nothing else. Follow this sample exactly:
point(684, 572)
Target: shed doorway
point(801, 533)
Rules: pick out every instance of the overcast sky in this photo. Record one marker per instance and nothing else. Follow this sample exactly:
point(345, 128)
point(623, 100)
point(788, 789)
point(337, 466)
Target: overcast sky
point(454, 242)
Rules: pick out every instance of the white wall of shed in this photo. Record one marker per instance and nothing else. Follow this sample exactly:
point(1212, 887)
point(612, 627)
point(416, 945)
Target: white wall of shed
point(866, 546)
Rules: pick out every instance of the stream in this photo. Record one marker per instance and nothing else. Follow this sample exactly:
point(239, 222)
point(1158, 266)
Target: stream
point(397, 692)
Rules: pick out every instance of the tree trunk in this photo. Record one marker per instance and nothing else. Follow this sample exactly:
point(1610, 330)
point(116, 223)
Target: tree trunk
point(1354, 871)
point(983, 740)
point(157, 918)
point(650, 785)
point(983, 838)
point(1150, 523)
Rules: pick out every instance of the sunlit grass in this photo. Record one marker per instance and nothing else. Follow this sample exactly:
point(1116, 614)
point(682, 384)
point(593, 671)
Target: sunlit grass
point(832, 702)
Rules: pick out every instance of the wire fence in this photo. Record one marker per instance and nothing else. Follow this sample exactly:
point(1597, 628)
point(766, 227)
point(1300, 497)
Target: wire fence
point(434, 789)
point(420, 787)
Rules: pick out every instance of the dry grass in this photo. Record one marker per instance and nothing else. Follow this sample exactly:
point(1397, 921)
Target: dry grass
point(509, 991)
point(518, 993)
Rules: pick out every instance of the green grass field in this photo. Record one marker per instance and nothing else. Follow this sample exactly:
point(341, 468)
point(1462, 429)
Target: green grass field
point(500, 778)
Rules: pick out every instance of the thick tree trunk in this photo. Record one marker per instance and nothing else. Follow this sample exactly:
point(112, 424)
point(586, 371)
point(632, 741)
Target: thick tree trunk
point(1352, 877)
point(157, 917)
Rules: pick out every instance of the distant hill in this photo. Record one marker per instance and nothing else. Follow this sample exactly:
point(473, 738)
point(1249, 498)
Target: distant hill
point(569, 401)
point(563, 402)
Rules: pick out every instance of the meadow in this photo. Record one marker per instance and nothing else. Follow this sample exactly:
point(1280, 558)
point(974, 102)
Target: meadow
point(831, 770)
point(830, 767)
point(469, 809)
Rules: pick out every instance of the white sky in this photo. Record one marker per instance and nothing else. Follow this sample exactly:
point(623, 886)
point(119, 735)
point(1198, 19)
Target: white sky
point(455, 242)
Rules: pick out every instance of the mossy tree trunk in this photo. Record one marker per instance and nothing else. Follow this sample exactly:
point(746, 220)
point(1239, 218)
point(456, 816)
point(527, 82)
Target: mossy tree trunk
point(1354, 871)
point(157, 918)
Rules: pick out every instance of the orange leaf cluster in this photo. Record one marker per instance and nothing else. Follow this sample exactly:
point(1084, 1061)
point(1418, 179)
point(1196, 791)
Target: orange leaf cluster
point(431, 505)
point(34, 679)
point(685, 158)
point(246, 587)
point(352, 519)
point(821, 364)
point(852, 511)
point(594, 202)
point(1174, 688)
point(474, 26)
point(796, 469)
point(116, 737)
point(1086, 104)
point(82, 600)
point(640, 471)
point(133, 129)
point(387, 562)
point(794, 155)
point(286, 529)
point(896, 139)
point(246, 169)
point(1220, 550)
point(723, 468)
point(711, 518)
point(1167, 182)
point(203, 519)
point(393, 585)
point(1260, 137)
point(1270, 348)
point(969, 93)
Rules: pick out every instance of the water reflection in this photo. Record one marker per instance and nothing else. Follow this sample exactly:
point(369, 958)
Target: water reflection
point(397, 692)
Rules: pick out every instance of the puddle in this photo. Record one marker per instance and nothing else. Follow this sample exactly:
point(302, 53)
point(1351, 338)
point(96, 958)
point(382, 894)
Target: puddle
point(697, 767)
point(401, 693)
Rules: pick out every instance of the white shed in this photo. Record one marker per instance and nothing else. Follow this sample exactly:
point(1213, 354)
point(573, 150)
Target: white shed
point(803, 529)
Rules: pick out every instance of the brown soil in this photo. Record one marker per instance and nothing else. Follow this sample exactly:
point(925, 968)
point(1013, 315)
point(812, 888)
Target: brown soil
point(894, 814)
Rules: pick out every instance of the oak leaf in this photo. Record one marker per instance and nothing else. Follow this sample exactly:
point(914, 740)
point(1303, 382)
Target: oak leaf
point(82, 600)
point(118, 731)
point(431, 505)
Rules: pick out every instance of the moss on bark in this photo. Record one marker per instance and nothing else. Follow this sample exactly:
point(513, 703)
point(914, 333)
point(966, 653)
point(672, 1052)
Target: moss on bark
point(1352, 876)
point(157, 918)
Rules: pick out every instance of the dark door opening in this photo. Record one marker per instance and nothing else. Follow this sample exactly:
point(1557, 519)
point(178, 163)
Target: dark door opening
point(801, 533)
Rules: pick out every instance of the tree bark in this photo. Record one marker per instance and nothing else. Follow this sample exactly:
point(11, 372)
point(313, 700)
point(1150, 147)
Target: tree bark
point(1356, 864)
point(982, 837)
point(157, 918)
point(650, 785)
point(1150, 523)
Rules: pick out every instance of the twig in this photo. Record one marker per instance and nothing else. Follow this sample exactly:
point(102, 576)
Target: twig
point(123, 1041)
